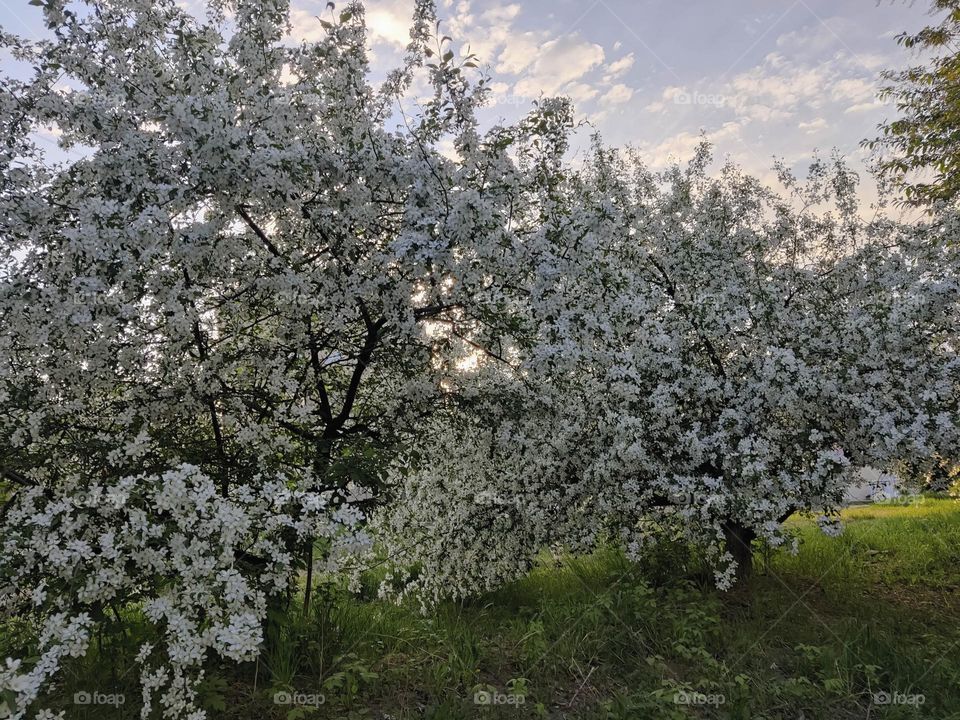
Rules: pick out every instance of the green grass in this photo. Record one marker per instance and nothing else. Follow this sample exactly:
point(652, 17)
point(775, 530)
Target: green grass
point(914, 546)
point(813, 636)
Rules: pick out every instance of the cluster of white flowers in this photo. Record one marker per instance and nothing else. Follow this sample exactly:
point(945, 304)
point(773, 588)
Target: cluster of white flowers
point(202, 566)
point(61, 636)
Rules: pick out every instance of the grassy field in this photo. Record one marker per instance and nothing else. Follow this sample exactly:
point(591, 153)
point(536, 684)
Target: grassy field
point(859, 626)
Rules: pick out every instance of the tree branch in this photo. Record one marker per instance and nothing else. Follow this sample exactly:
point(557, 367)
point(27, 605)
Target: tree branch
point(363, 360)
point(257, 231)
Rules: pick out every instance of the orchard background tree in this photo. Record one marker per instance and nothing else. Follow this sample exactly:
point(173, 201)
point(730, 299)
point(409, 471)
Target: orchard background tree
point(707, 359)
point(920, 150)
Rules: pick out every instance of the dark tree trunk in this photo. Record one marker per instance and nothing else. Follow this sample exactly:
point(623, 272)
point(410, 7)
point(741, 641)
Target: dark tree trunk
point(739, 540)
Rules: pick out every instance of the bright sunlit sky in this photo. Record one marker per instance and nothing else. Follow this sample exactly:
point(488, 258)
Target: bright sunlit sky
point(761, 78)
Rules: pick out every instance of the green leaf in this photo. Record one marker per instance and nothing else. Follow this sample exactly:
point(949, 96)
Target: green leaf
point(8, 701)
point(298, 713)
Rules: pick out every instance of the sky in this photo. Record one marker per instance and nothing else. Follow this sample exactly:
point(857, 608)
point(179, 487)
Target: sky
point(759, 78)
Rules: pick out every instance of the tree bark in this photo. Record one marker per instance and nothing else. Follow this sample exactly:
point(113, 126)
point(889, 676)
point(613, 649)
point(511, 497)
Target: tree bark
point(739, 541)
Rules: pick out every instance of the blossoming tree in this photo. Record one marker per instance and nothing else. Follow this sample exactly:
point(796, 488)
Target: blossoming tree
point(250, 287)
point(708, 358)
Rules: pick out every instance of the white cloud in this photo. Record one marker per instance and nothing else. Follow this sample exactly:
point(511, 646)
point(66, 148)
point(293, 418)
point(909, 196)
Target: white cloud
point(782, 87)
point(520, 53)
point(776, 87)
point(581, 92)
point(486, 32)
point(863, 107)
point(305, 26)
point(617, 95)
point(816, 39)
point(552, 64)
point(446, 148)
point(875, 61)
point(619, 67)
point(501, 14)
point(853, 89)
point(534, 62)
point(389, 21)
point(834, 37)
point(680, 147)
point(813, 126)
point(667, 97)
